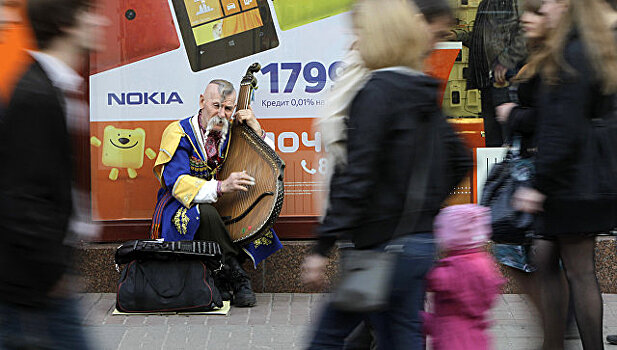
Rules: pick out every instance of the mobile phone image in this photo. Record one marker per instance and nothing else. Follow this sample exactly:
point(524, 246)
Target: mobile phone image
point(139, 29)
point(219, 31)
point(295, 13)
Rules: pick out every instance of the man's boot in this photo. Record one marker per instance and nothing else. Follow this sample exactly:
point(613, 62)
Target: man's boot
point(240, 284)
point(221, 281)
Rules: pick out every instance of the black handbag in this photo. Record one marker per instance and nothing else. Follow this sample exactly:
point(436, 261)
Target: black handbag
point(168, 276)
point(509, 225)
point(148, 286)
point(365, 276)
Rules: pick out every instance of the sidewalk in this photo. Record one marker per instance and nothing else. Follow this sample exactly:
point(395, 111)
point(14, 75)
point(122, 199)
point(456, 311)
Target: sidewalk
point(282, 322)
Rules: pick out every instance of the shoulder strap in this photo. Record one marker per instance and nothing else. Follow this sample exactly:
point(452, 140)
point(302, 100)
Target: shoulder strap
point(418, 181)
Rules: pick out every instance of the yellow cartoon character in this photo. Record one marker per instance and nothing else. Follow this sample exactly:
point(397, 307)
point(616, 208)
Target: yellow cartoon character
point(123, 148)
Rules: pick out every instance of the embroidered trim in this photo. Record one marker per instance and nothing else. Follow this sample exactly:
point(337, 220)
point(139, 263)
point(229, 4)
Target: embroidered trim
point(200, 169)
point(181, 221)
point(155, 229)
point(266, 239)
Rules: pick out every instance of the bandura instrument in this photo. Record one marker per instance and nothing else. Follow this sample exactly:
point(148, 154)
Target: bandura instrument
point(249, 215)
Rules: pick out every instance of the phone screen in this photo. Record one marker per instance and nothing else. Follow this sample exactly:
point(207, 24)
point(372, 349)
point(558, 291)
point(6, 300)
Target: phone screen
point(217, 19)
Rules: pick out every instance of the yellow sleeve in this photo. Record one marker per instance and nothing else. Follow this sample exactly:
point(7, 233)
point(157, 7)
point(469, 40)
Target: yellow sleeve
point(169, 143)
point(186, 188)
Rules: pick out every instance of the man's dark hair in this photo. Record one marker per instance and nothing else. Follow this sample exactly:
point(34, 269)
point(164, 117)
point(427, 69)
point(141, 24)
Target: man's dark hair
point(613, 4)
point(434, 9)
point(50, 18)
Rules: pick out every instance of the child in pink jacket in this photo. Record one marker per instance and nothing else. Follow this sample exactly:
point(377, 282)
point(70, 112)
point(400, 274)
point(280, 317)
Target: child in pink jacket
point(465, 282)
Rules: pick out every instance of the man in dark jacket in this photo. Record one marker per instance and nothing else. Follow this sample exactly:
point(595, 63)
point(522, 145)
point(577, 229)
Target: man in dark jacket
point(37, 209)
point(496, 46)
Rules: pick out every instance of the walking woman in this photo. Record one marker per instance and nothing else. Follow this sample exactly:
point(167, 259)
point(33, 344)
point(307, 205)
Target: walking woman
point(574, 190)
point(520, 120)
point(388, 121)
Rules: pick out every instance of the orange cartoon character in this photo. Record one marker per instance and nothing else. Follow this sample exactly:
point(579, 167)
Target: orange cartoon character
point(123, 148)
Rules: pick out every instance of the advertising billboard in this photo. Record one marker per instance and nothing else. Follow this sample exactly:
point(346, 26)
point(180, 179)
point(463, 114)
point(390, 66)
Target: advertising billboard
point(159, 58)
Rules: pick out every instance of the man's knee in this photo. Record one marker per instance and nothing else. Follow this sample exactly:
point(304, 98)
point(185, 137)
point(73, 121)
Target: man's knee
point(208, 212)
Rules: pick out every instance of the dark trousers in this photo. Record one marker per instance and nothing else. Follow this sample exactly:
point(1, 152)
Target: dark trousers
point(399, 327)
point(213, 229)
point(362, 338)
point(56, 327)
point(493, 132)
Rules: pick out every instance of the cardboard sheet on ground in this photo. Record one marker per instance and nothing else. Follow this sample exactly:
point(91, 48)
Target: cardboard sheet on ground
point(222, 311)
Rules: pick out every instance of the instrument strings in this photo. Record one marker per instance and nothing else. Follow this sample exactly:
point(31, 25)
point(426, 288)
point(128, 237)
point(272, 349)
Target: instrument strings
point(244, 154)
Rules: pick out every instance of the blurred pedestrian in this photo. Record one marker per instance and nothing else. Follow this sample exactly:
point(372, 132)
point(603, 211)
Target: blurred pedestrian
point(574, 190)
point(465, 282)
point(367, 196)
point(15, 37)
point(333, 123)
point(496, 47)
point(38, 210)
point(520, 121)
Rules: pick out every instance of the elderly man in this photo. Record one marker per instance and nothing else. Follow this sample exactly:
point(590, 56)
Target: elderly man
point(191, 154)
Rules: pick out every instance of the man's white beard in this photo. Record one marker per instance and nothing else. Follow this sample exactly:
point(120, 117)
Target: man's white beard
point(214, 121)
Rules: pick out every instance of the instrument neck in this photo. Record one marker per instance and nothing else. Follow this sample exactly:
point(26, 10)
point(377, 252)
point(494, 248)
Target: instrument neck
point(244, 96)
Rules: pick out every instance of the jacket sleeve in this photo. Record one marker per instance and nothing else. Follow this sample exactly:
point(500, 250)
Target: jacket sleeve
point(463, 36)
point(516, 51)
point(350, 188)
point(563, 114)
point(522, 120)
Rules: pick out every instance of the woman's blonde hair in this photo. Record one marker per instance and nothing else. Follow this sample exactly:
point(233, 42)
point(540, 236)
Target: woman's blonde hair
point(596, 34)
point(390, 33)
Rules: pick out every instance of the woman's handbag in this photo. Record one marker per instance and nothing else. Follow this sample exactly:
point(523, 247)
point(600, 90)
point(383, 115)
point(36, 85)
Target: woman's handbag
point(509, 225)
point(168, 276)
point(365, 276)
point(365, 280)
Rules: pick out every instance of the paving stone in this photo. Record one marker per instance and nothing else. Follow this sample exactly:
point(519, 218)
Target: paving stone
point(173, 320)
point(107, 337)
point(198, 337)
point(115, 319)
point(156, 320)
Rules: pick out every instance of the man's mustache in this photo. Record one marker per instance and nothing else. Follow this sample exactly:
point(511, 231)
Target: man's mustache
point(216, 120)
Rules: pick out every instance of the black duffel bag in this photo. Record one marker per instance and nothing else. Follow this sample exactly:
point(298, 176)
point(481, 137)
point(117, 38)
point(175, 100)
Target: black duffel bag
point(167, 286)
point(168, 276)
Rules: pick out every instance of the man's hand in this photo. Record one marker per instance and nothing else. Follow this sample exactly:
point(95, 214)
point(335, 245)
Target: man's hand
point(503, 111)
point(528, 200)
point(500, 73)
point(238, 181)
point(247, 116)
point(314, 270)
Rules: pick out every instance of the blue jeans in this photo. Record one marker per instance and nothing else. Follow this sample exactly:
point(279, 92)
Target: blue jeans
point(399, 327)
point(58, 326)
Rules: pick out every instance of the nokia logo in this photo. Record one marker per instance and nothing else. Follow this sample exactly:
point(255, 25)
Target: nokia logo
point(143, 98)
